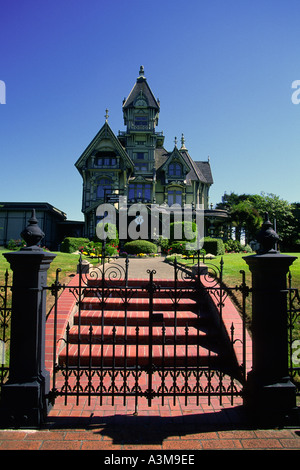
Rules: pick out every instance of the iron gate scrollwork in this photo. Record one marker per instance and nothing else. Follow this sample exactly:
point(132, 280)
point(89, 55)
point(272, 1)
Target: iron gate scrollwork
point(294, 334)
point(5, 318)
point(145, 339)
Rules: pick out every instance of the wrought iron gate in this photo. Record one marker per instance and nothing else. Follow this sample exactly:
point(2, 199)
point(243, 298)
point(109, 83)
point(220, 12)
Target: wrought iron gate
point(5, 318)
point(294, 333)
point(154, 348)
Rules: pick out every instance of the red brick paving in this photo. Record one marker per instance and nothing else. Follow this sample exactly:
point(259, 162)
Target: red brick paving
point(143, 433)
point(178, 427)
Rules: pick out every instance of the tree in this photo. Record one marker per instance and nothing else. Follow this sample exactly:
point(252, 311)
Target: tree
point(280, 214)
point(247, 212)
point(230, 200)
point(245, 216)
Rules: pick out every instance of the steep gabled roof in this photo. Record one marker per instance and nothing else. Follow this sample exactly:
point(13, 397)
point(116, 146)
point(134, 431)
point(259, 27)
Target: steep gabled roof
point(206, 171)
point(107, 133)
point(175, 155)
point(195, 173)
point(199, 171)
point(160, 156)
point(141, 86)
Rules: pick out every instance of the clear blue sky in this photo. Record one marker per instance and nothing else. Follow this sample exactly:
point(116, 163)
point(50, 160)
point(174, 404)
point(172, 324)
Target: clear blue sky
point(222, 69)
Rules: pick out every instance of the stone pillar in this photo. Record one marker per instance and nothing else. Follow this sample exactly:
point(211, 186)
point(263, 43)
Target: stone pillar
point(23, 398)
point(269, 393)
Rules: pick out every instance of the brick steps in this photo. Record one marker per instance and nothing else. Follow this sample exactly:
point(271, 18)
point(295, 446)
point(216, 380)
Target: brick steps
point(111, 334)
point(137, 303)
point(139, 317)
point(196, 346)
point(110, 355)
point(132, 294)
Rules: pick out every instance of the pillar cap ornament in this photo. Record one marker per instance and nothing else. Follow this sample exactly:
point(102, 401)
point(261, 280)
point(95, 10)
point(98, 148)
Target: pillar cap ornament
point(267, 237)
point(32, 234)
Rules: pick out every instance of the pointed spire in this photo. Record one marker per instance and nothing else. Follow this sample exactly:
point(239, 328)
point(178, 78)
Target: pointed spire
point(141, 77)
point(183, 147)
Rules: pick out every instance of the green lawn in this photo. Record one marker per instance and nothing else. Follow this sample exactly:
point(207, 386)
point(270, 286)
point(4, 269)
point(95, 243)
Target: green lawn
point(64, 261)
point(234, 263)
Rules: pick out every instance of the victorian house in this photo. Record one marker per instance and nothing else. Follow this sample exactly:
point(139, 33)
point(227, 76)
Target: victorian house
point(136, 165)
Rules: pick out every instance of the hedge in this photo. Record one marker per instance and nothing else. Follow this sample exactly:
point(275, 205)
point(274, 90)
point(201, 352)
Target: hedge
point(112, 235)
point(139, 246)
point(181, 247)
point(71, 244)
point(215, 246)
point(188, 231)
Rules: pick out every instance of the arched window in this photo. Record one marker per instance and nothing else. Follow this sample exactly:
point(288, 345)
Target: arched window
point(103, 188)
point(174, 196)
point(175, 169)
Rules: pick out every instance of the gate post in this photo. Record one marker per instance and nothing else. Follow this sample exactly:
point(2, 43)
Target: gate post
point(23, 398)
point(269, 392)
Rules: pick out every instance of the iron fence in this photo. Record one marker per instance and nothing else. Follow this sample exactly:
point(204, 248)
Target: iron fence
point(5, 319)
point(175, 360)
point(294, 333)
point(164, 352)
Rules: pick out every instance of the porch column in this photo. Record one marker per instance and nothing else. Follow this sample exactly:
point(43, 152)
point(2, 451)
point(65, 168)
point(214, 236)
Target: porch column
point(270, 394)
point(23, 398)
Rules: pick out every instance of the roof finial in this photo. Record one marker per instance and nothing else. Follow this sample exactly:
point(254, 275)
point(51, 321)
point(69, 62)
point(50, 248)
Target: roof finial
point(183, 147)
point(106, 115)
point(141, 71)
point(175, 141)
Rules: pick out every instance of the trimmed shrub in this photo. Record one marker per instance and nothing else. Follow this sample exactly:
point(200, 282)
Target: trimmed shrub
point(188, 231)
point(140, 246)
point(233, 246)
point(178, 248)
point(215, 246)
point(71, 244)
point(163, 243)
point(110, 250)
point(15, 245)
point(111, 231)
point(92, 248)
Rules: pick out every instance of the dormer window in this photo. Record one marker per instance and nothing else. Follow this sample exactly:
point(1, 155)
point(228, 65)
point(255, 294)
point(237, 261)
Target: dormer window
point(175, 169)
point(106, 161)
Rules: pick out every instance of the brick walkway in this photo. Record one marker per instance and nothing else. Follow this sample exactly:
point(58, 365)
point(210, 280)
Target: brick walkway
point(168, 429)
point(160, 428)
